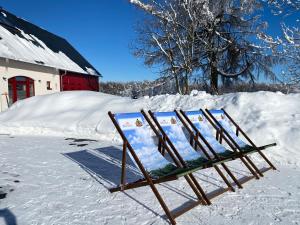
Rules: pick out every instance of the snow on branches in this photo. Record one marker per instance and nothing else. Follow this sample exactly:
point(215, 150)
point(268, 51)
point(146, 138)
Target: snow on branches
point(288, 46)
point(206, 38)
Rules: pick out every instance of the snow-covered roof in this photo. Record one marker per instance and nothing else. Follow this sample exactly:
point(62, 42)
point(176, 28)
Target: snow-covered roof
point(26, 42)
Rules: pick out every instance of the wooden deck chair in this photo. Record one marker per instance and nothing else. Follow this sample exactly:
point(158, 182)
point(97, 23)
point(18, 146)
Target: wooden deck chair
point(222, 123)
point(154, 167)
point(203, 133)
point(171, 130)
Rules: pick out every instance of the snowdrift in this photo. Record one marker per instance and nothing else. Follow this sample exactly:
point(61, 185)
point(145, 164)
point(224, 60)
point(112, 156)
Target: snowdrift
point(266, 116)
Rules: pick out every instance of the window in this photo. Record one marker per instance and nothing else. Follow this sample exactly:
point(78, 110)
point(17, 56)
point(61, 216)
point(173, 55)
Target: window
point(49, 85)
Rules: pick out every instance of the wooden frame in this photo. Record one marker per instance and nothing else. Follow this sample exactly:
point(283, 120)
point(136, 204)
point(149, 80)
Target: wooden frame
point(219, 135)
point(198, 144)
point(196, 139)
point(245, 159)
point(202, 198)
point(223, 134)
point(163, 147)
point(178, 155)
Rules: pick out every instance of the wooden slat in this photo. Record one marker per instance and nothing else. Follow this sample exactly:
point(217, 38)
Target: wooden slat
point(139, 184)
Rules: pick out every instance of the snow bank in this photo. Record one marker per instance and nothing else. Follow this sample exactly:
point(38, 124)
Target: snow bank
point(266, 116)
point(80, 113)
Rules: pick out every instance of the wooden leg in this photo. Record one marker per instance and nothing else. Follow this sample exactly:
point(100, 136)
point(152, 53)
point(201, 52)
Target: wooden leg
point(224, 178)
point(232, 176)
point(123, 163)
point(150, 182)
point(249, 168)
point(267, 160)
point(253, 165)
point(196, 191)
point(200, 189)
point(161, 201)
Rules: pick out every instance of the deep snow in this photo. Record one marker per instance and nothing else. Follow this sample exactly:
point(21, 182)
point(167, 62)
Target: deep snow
point(266, 116)
point(52, 178)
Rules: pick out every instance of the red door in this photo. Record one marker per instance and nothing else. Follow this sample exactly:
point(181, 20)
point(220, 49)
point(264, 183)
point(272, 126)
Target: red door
point(73, 81)
point(19, 88)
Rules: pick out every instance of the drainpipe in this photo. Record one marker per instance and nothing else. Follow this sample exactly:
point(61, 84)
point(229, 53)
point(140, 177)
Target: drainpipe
point(61, 82)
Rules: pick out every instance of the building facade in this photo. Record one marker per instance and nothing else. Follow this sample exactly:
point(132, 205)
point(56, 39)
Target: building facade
point(34, 61)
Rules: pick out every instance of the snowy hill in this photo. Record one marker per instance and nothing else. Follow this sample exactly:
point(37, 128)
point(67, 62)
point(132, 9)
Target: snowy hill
point(266, 116)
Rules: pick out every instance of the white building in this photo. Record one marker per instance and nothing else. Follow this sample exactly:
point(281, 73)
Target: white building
point(34, 61)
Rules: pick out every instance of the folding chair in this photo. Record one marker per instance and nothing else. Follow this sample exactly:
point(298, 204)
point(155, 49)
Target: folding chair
point(202, 132)
point(168, 124)
point(222, 123)
point(154, 167)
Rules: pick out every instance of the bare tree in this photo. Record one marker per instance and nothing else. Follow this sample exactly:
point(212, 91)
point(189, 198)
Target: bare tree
point(167, 37)
point(230, 48)
point(213, 38)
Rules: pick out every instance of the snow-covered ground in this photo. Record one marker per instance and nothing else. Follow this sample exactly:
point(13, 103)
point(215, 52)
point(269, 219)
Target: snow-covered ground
point(84, 114)
point(52, 177)
point(54, 182)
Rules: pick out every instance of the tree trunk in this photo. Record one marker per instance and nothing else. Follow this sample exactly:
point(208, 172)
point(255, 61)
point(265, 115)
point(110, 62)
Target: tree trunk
point(213, 75)
point(186, 83)
point(214, 80)
point(178, 88)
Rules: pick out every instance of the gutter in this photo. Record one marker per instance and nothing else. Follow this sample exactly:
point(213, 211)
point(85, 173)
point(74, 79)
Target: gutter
point(61, 77)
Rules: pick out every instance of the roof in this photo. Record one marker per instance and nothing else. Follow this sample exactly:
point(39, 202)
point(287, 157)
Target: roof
point(23, 41)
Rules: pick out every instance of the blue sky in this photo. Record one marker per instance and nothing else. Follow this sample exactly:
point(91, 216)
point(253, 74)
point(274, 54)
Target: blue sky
point(101, 30)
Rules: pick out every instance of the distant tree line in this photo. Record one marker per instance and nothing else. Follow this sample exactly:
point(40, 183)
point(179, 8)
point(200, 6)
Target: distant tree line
point(137, 89)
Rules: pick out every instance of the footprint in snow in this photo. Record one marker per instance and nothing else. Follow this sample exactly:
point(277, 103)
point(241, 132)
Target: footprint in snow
point(2, 194)
point(4, 190)
point(81, 145)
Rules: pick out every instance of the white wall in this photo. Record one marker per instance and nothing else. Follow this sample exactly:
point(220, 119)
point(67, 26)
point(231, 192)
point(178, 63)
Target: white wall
point(40, 75)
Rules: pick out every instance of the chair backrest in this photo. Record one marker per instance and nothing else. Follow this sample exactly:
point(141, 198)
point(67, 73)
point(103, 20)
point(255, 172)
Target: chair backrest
point(203, 126)
point(138, 134)
point(171, 125)
point(220, 116)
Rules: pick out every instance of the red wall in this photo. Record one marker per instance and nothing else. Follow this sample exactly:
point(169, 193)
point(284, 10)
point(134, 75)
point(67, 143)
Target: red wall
point(75, 81)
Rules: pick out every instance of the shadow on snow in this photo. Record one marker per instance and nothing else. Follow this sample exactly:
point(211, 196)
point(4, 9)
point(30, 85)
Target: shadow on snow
point(8, 216)
point(104, 164)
